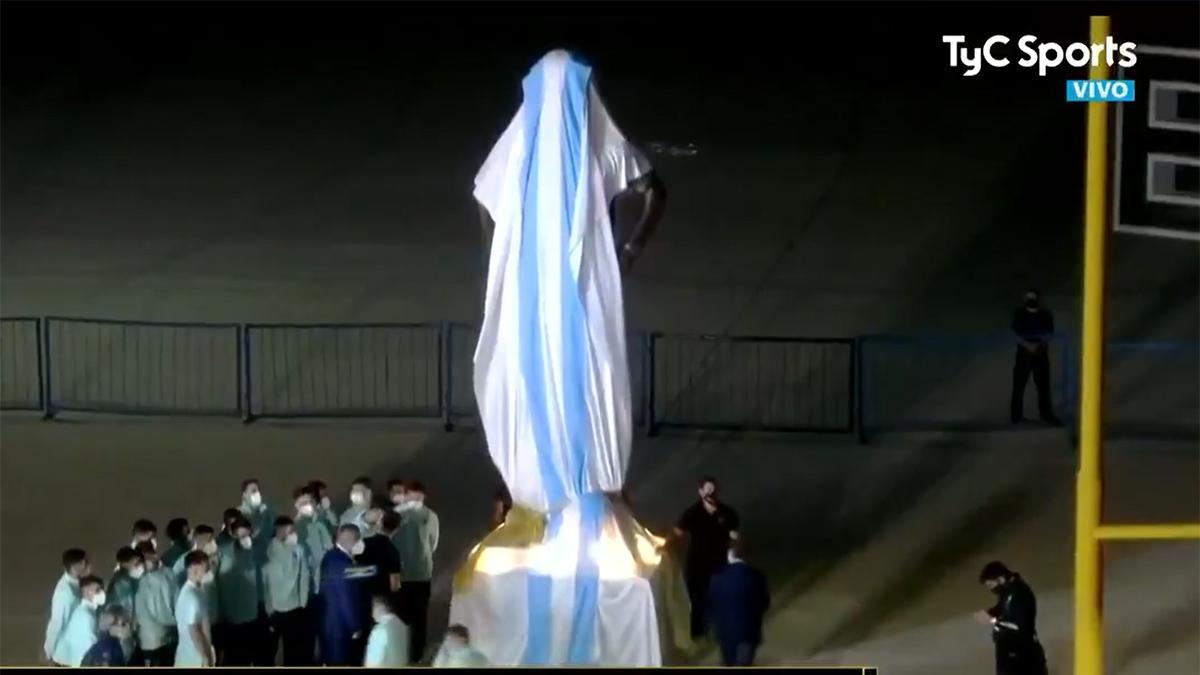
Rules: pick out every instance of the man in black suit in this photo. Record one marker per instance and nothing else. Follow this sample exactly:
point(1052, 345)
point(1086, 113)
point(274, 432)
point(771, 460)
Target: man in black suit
point(737, 602)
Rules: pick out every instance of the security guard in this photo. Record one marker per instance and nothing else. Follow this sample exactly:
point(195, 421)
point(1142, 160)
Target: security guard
point(1014, 622)
point(1033, 326)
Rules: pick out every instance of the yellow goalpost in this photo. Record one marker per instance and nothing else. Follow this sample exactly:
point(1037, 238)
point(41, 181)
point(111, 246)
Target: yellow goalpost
point(1090, 531)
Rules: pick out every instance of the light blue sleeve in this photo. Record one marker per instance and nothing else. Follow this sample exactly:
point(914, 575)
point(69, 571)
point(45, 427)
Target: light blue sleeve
point(376, 648)
point(61, 604)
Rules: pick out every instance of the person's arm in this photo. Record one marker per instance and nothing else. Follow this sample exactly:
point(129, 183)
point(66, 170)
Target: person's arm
point(434, 533)
point(202, 644)
point(652, 196)
point(373, 656)
point(59, 605)
point(1016, 329)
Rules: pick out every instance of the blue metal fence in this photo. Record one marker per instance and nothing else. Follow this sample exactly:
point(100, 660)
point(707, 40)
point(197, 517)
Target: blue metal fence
point(871, 384)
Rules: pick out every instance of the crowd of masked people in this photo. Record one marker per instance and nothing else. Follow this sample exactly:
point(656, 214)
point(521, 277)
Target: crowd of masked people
point(311, 588)
point(353, 589)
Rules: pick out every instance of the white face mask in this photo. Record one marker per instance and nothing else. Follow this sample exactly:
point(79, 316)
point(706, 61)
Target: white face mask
point(208, 577)
point(209, 548)
point(325, 503)
point(246, 543)
point(254, 499)
point(357, 498)
point(306, 510)
point(137, 572)
point(397, 498)
point(292, 539)
point(98, 600)
point(377, 614)
point(358, 548)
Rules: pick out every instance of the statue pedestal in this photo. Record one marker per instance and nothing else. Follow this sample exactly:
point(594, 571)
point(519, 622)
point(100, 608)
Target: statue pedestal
point(519, 593)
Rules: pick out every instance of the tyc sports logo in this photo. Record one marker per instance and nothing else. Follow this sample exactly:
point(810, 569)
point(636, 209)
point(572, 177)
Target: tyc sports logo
point(996, 52)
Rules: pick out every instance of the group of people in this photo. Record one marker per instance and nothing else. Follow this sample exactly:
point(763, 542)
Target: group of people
point(314, 587)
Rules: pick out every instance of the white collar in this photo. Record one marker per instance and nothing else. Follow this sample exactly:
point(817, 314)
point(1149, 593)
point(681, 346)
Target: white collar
point(343, 550)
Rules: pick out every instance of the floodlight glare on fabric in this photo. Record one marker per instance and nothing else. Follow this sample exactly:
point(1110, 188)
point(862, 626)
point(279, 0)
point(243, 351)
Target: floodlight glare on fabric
point(572, 578)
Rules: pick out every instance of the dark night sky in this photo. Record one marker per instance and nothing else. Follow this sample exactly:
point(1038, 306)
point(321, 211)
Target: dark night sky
point(344, 120)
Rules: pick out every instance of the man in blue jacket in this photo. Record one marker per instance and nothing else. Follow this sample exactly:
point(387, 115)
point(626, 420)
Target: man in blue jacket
point(737, 602)
point(343, 621)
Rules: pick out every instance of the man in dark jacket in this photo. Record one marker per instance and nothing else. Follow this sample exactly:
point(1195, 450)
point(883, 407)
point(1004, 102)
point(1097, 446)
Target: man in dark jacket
point(1014, 622)
point(343, 619)
point(1033, 326)
point(737, 602)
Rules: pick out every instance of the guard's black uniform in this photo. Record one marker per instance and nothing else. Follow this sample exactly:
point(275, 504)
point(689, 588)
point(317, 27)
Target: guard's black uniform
point(707, 553)
point(1034, 326)
point(1014, 630)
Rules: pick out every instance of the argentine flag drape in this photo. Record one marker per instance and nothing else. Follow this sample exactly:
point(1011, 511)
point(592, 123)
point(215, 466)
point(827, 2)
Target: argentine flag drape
point(552, 384)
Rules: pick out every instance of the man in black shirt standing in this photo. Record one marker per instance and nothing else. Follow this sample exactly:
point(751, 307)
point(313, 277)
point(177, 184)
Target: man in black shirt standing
point(379, 553)
point(1014, 622)
point(1033, 325)
point(709, 525)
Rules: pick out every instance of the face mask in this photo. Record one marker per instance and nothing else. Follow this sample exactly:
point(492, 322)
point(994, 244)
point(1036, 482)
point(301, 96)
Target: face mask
point(246, 543)
point(454, 646)
point(254, 499)
point(98, 600)
point(325, 503)
point(358, 548)
point(137, 572)
point(208, 577)
point(210, 548)
point(292, 539)
point(306, 510)
point(998, 589)
point(358, 498)
point(377, 614)
point(397, 498)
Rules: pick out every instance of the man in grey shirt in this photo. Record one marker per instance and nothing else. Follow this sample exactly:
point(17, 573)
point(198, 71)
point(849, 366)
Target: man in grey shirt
point(416, 540)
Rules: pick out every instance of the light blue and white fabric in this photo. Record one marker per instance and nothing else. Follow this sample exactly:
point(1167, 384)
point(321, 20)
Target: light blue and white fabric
point(552, 383)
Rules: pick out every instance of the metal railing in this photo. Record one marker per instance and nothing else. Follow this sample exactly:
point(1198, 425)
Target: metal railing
point(752, 383)
point(869, 385)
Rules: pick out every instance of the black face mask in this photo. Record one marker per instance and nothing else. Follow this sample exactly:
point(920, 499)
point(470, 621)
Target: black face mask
point(1031, 304)
point(998, 589)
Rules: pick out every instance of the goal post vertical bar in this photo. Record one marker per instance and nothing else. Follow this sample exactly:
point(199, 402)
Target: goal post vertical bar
point(1089, 627)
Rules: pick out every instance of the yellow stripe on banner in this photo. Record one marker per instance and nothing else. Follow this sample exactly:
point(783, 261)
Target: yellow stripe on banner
point(1166, 531)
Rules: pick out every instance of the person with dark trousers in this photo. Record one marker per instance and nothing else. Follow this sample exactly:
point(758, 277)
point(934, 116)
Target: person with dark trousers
point(288, 581)
point(249, 640)
point(737, 602)
point(343, 622)
point(1014, 622)
point(417, 540)
point(1033, 326)
point(380, 554)
point(709, 525)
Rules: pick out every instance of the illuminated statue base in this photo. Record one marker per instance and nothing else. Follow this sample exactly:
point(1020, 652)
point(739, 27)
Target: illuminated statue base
point(517, 593)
